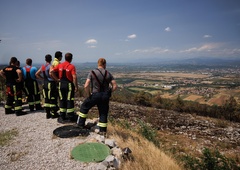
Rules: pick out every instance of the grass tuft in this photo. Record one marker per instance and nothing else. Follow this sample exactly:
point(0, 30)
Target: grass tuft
point(6, 137)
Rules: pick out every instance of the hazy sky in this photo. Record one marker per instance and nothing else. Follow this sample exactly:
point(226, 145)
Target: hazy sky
point(119, 30)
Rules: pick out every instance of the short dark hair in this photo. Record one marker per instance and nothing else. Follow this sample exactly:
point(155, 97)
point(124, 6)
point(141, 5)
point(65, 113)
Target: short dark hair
point(68, 57)
point(13, 60)
point(29, 61)
point(58, 54)
point(18, 63)
point(48, 58)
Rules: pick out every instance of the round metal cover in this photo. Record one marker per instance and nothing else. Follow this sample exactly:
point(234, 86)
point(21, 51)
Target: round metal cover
point(90, 152)
point(70, 131)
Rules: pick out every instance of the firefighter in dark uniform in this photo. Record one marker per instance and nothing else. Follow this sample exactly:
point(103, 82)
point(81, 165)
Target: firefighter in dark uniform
point(49, 88)
point(99, 95)
point(68, 85)
point(13, 76)
point(31, 86)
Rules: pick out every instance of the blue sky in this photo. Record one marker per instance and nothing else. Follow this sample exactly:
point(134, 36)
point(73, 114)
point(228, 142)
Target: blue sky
point(119, 30)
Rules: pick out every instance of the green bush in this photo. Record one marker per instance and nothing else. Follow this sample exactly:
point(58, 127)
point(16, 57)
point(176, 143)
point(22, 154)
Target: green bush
point(142, 98)
point(210, 160)
point(149, 133)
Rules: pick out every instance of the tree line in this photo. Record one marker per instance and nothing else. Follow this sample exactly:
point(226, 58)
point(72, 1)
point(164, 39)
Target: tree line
point(230, 110)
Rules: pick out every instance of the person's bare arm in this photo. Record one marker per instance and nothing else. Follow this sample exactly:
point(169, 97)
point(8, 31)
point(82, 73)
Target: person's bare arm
point(2, 74)
point(53, 75)
point(19, 73)
point(38, 74)
point(114, 85)
point(75, 82)
point(87, 88)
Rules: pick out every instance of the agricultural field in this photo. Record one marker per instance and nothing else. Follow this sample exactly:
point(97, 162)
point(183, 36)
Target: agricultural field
point(202, 88)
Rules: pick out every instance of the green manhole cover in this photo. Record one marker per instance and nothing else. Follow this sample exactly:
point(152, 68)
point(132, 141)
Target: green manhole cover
point(90, 152)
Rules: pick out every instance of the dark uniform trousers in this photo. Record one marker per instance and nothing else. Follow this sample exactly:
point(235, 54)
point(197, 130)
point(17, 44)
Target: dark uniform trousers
point(101, 99)
point(33, 94)
point(14, 94)
point(66, 96)
point(49, 93)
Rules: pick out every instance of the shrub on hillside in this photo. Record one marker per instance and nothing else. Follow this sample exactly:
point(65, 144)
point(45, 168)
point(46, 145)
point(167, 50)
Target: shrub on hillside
point(210, 160)
point(142, 98)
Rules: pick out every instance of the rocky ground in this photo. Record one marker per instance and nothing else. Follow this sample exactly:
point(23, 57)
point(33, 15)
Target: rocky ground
point(186, 133)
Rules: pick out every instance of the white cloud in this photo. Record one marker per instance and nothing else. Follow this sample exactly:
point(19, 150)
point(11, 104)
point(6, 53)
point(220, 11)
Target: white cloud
point(234, 52)
point(168, 29)
point(91, 41)
point(152, 50)
point(202, 48)
point(132, 36)
point(207, 36)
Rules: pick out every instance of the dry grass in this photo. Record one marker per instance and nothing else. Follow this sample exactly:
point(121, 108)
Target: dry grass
point(146, 156)
point(6, 137)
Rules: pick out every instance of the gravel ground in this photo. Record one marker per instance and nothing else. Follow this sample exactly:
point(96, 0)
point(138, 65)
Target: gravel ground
point(35, 146)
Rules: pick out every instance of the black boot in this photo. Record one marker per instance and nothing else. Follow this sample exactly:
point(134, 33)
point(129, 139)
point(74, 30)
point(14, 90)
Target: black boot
point(39, 107)
point(54, 113)
point(103, 129)
point(81, 122)
point(48, 114)
point(20, 113)
point(62, 118)
point(9, 111)
point(72, 117)
point(31, 107)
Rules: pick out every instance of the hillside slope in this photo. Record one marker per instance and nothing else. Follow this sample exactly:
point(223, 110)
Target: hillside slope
point(182, 133)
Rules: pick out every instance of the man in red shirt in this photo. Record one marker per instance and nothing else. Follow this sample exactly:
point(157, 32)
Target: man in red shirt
point(68, 85)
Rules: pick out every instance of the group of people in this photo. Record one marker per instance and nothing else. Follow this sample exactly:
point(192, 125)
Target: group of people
point(20, 80)
point(59, 87)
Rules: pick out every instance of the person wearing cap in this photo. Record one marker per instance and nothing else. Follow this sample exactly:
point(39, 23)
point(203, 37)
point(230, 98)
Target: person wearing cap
point(99, 85)
point(49, 88)
point(13, 76)
point(68, 85)
point(31, 86)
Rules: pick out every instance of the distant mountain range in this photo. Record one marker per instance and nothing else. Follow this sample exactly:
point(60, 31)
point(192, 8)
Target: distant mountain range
point(211, 61)
point(203, 61)
point(195, 61)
